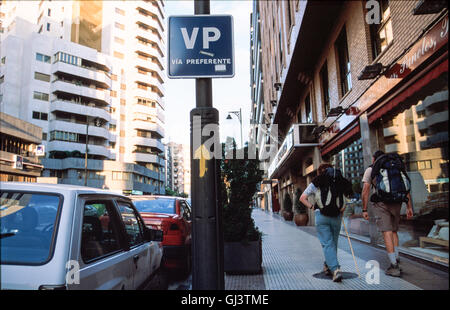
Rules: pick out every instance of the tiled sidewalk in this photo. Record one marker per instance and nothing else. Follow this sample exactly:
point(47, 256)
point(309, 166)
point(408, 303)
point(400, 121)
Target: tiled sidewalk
point(292, 255)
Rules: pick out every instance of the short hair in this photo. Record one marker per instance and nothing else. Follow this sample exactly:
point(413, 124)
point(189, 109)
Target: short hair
point(377, 154)
point(323, 167)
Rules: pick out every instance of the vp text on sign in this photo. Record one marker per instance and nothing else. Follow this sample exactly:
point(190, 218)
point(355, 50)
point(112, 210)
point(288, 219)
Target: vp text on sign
point(200, 46)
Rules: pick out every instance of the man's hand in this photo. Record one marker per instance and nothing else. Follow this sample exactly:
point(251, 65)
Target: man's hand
point(409, 213)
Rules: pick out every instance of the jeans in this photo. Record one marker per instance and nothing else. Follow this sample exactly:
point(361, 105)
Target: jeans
point(328, 229)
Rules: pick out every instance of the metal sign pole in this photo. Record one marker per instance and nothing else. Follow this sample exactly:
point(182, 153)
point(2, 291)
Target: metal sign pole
point(207, 238)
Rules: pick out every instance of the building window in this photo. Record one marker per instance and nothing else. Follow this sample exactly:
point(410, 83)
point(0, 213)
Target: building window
point(344, 62)
point(119, 25)
point(64, 136)
point(43, 58)
point(41, 77)
point(119, 40)
point(118, 55)
point(48, 26)
point(49, 12)
point(3, 60)
point(40, 115)
point(325, 88)
point(381, 32)
point(44, 136)
point(40, 96)
point(120, 11)
point(308, 110)
point(73, 60)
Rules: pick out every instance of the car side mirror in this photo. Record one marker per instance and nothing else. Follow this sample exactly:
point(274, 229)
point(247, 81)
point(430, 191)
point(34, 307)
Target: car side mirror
point(153, 234)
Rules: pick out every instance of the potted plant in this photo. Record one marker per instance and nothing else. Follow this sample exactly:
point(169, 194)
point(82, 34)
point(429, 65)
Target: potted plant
point(242, 239)
point(300, 211)
point(287, 208)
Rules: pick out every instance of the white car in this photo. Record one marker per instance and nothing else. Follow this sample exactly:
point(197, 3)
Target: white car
point(56, 236)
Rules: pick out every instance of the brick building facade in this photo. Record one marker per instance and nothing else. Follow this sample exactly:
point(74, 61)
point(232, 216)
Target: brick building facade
point(315, 56)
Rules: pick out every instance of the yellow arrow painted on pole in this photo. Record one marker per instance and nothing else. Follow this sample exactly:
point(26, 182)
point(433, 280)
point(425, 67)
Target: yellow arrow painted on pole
point(202, 153)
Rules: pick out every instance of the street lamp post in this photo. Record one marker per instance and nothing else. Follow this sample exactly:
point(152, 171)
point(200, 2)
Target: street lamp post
point(239, 115)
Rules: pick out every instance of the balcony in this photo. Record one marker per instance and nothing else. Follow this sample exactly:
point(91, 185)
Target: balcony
point(149, 7)
point(148, 64)
point(144, 109)
point(96, 76)
point(144, 125)
point(148, 142)
point(84, 91)
point(149, 21)
point(68, 126)
point(81, 147)
point(77, 108)
point(147, 94)
point(147, 158)
point(150, 80)
point(437, 118)
point(390, 131)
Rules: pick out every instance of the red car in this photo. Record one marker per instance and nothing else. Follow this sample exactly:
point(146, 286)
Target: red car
point(172, 215)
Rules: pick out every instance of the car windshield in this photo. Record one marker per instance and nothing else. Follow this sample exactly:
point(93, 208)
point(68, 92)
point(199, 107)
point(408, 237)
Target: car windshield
point(27, 225)
point(155, 205)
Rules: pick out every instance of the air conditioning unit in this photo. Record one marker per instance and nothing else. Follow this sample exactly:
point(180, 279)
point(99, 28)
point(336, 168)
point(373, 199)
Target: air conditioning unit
point(304, 135)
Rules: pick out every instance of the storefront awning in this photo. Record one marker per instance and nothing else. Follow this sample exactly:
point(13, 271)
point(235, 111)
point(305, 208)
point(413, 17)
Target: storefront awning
point(352, 132)
point(409, 91)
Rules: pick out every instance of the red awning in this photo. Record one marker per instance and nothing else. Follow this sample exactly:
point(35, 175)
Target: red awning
point(409, 91)
point(347, 136)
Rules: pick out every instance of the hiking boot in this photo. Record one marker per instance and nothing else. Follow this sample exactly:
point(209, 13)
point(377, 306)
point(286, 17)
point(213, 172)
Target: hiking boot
point(337, 275)
point(327, 270)
point(393, 271)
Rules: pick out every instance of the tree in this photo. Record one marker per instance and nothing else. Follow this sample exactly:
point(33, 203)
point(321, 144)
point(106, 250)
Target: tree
point(240, 178)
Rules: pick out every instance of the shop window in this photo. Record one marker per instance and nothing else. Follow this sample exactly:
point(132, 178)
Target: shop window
point(344, 63)
point(325, 88)
point(381, 31)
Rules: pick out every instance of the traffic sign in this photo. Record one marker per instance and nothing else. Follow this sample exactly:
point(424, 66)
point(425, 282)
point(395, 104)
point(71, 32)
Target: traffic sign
point(200, 46)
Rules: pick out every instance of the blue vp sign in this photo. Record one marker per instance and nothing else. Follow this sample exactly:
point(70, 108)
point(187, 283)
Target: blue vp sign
point(200, 46)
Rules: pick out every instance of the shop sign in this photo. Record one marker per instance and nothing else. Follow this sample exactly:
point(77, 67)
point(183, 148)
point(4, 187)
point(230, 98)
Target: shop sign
point(40, 150)
point(430, 43)
point(436, 38)
point(287, 145)
point(18, 162)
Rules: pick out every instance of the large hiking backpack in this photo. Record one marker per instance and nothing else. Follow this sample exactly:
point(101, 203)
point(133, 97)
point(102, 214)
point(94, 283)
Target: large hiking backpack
point(392, 184)
point(330, 196)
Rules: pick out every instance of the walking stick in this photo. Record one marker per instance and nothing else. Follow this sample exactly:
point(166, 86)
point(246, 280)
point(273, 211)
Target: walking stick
point(351, 248)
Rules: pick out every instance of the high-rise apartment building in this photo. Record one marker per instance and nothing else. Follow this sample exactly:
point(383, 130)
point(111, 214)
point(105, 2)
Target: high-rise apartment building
point(91, 75)
point(178, 168)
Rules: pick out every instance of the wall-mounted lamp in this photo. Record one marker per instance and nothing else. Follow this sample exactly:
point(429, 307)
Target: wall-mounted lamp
point(429, 7)
point(336, 111)
point(371, 71)
point(277, 86)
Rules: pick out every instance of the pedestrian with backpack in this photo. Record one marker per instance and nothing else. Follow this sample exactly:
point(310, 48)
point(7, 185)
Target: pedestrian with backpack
point(391, 186)
point(328, 190)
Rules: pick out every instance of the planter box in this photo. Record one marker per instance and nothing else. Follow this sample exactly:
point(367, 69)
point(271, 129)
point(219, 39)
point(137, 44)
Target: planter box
point(243, 258)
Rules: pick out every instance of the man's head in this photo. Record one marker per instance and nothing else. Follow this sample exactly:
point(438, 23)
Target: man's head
point(323, 167)
point(376, 155)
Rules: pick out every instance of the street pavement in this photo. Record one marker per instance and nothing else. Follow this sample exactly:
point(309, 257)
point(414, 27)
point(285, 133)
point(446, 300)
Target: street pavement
point(293, 260)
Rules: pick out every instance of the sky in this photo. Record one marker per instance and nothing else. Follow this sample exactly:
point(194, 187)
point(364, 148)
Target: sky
point(229, 94)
